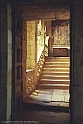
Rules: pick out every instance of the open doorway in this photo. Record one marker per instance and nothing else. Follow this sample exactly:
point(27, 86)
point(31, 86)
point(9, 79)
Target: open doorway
point(35, 68)
point(42, 98)
point(50, 87)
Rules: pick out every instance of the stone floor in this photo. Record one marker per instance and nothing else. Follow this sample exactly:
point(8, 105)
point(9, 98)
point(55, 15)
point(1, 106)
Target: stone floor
point(49, 97)
point(43, 117)
point(46, 97)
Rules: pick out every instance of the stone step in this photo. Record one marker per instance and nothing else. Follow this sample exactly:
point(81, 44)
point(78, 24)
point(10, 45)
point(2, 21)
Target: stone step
point(53, 86)
point(55, 66)
point(66, 57)
point(57, 59)
point(56, 77)
point(47, 70)
point(57, 63)
point(55, 73)
point(51, 81)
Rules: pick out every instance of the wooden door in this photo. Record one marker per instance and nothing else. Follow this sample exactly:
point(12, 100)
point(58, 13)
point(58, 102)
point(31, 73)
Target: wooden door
point(17, 78)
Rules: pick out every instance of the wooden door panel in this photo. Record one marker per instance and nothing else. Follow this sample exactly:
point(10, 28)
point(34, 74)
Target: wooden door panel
point(18, 39)
point(17, 63)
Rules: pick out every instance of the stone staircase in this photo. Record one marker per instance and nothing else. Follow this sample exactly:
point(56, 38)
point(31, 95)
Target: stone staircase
point(55, 74)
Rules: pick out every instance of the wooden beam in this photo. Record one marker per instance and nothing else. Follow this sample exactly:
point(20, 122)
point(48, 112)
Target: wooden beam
point(42, 18)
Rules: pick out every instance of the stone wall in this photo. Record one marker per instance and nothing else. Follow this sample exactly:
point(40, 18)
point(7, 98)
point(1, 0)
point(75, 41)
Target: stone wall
point(31, 57)
point(6, 62)
point(76, 85)
point(5, 90)
point(40, 38)
point(35, 46)
point(31, 45)
point(48, 28)
point(30, 85)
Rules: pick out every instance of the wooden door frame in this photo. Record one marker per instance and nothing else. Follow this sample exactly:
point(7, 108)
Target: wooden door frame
point(13, 62)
